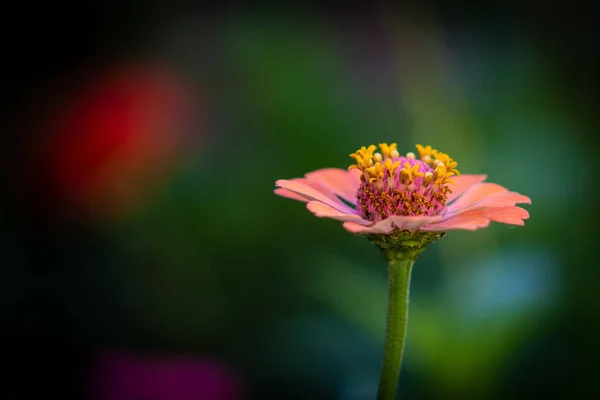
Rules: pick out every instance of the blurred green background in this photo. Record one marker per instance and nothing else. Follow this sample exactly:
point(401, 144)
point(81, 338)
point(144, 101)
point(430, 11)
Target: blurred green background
point(210, 262)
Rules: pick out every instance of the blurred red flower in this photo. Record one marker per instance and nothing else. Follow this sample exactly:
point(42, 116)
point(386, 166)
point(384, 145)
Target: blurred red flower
point(119, 135)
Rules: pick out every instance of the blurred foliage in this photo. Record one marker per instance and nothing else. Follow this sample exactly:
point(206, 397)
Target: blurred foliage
point(215, 263)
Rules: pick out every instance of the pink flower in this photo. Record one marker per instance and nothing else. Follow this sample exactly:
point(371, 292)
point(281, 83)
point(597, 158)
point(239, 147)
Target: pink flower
point(385, 193)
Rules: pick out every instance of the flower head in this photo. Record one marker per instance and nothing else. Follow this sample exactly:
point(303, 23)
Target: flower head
point(396, 200)
point(402, 185)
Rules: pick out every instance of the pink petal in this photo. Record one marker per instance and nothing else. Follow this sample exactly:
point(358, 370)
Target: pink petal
point(412, 223)
point(462, 183)
point(383, 226)
point(338, 180)
point(289, 194)
point(508, 215)
point(315, 185)
point(476, 192)
point(324, 211)
point(311, 190)
point(480, 218)
point(469, 220)
point(500, 199)
point(355, 173)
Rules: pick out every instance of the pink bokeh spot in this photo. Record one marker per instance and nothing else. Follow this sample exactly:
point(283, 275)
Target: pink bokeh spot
point(120, 375)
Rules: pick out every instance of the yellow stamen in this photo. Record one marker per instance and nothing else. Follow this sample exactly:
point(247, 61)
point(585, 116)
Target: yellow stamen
point(437, 158)
point(428, 178)
point(391, 166)
point(416, 172)
point(404, 175)
point(363, 157)
point(375, 166)
point(375, 172)
point(439, 174)
point(411, 172)
point(386, 150)
point(424, 151)
point(448, 162)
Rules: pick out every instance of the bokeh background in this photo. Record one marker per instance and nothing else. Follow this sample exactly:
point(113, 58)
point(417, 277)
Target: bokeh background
point(144, 255)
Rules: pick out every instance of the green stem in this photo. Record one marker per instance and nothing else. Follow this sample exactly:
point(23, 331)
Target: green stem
point(399, 284)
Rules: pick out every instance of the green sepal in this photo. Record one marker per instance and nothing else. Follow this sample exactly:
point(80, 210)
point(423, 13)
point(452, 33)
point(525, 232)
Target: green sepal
point(404, 245)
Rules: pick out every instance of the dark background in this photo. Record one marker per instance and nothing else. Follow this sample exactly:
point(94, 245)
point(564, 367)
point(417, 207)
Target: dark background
point(208, 262)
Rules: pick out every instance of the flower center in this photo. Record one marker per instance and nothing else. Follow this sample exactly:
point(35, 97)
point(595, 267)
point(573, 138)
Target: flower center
point(402, 185)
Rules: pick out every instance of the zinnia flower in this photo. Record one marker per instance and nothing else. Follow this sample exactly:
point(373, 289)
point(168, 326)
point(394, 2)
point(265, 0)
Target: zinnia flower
point(403, 204)
point(385, 195)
